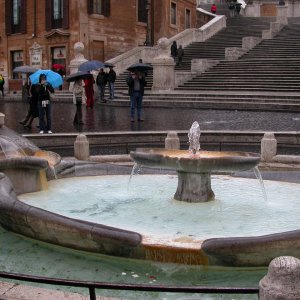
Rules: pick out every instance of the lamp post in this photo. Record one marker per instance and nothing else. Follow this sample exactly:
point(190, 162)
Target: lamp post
point(148, 41)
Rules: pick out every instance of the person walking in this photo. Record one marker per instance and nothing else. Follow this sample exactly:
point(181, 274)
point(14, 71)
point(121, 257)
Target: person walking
point(231, 8)
point(44, 104)
point(111, 78)
point(174, 50)
point(2, 82)
point(89, 91)
point(78, 100)
point(180, 54)
point(136, 84)
point(33, 111)
point(101, 81)
point(213, 9)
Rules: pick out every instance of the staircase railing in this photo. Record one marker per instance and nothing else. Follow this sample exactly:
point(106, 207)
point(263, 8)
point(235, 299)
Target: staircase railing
point(184, 38)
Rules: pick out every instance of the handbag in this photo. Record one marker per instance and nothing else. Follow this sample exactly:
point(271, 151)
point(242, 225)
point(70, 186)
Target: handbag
point(52, 96)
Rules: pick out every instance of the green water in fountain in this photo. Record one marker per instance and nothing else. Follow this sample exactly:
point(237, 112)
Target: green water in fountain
point(22, 255)
point(147, 205)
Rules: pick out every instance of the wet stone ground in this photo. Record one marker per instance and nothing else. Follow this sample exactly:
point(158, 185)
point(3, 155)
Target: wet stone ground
point(108, 118)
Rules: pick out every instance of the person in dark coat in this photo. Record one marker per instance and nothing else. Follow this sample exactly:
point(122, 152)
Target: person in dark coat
point(2, 82)
point(44, 104)
point(111, 78)
point(174, 50)
point(33, 111)
point(136, 84)
point(180, 54)
point(101, 81)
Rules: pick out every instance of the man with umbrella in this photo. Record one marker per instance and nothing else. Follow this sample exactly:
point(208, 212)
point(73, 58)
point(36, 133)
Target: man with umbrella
point(136, 83)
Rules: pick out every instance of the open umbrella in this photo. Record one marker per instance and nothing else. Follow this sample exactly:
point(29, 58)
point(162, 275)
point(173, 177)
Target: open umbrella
point(91, 65)
point(24, 69)
point(58, 67)
point(140, 67)
point(108, 65)
point(52, 77)
point(79, 75)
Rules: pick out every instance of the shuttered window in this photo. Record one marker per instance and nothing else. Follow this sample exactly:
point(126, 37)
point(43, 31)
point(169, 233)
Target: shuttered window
point(100, 7)
point(142, 11)
point(57, 14)
point(15, 16)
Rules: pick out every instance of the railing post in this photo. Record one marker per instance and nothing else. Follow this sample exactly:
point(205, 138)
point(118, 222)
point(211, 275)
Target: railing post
point(92, 293)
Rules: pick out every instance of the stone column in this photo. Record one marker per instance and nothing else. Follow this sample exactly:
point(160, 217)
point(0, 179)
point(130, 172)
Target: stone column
point(79, 58)
point(77, 61)
point(81, 148)
point(282, 281)
point(268, 147)
point(282, 11)
point(163, 68)
point(172, 141)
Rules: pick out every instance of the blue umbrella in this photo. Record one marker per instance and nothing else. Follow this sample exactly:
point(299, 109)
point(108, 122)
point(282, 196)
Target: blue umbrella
point(91, 65)
point(52, 77)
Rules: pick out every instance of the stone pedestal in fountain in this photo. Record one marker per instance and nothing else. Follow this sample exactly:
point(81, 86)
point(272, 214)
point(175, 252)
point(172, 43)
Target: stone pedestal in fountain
point(194, 170)
point(194, 187)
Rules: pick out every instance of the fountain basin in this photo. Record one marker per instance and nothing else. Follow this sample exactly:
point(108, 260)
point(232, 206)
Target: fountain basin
point(194, 170)
point(89, 236)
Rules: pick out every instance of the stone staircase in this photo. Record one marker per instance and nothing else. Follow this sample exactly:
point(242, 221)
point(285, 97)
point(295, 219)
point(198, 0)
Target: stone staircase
point(265, 78)
point(272, 66)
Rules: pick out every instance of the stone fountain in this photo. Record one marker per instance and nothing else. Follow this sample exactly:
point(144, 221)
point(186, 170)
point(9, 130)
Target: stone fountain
point(194, 167)
point(55, 228)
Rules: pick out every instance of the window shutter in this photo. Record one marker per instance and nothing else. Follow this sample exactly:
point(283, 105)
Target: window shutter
point(65, 21)
point(106, 8)
point(8, 17)
point(48, 14)
point(23, 17)
point(89, 6)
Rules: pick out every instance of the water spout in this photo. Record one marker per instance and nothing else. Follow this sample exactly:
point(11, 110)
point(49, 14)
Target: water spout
point(194, 137)
point(259, 177)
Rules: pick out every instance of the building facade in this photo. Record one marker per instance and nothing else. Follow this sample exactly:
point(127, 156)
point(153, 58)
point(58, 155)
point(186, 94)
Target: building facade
point(42, 33)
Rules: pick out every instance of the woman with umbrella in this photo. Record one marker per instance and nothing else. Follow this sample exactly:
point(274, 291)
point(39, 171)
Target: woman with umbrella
point(44, 103)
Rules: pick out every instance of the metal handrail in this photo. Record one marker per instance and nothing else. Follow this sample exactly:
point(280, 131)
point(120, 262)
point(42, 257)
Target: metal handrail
point(93, 285)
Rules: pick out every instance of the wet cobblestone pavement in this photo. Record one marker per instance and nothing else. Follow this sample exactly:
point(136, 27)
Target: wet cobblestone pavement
point(108, 118)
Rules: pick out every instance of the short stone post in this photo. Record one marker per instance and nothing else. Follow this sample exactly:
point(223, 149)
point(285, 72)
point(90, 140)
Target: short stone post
point(163, 68)
point(282, 281)
point(172, 141)
point(2, 119)
point(268, 147)
point(81, 148)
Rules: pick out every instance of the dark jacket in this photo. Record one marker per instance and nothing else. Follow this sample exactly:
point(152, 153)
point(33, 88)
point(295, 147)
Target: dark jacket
point(101, 78)
point(43, 92)
point(130, 83)
point(111, 76)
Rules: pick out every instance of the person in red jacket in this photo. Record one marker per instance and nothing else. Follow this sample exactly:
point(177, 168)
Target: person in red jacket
point(213, 9)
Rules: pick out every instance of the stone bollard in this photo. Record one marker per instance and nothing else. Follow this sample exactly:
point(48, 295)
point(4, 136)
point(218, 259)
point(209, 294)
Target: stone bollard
point(81, 148)
point(2, 119)
point(282, 281)
point(172, 141)
point(268, 147)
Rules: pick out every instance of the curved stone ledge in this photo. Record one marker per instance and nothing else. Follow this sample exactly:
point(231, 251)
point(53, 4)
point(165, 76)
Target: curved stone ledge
point(56, 229)
point(252, 251)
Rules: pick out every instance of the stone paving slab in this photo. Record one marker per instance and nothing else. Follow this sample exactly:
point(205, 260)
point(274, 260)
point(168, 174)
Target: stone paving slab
point(11, 291)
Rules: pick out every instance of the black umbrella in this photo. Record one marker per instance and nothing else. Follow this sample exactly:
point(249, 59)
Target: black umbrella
point(79, 75)
point(140, 67)
point(24, 69)
point(108, 65)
